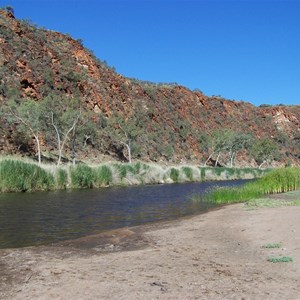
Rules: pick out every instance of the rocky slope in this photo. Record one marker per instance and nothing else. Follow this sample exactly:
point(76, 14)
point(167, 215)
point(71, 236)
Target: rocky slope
point(35, 62)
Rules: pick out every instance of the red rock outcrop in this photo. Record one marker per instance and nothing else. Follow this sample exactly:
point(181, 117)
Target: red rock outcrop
point(37, 62)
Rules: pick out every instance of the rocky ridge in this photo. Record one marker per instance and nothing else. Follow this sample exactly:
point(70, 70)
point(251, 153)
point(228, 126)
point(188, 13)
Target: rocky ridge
point(36, 62)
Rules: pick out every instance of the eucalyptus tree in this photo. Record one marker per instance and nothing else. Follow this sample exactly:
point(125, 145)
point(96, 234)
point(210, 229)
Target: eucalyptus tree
point(127, 129)
point(124, 131)
point(217, 142)
point(224, 141)
point(236, 141)
point(264, 151)
point(28, 117)
point(63, 115)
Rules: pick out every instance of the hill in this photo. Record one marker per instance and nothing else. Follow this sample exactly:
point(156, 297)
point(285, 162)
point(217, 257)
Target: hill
point(150, 121)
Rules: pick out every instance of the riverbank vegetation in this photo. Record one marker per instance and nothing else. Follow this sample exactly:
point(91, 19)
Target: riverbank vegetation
point(276, 181)
point(20, 176)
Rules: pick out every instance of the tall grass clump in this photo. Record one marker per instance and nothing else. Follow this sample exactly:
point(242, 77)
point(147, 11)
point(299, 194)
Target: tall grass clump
point(276, 181)
point(133, 173)
point(218, 171)
point(281, 180)
point(188, 172)
point(82, 176)
point(202, 173)
point(103, 176)
point(174, 174)
point(61, 179)
point(121, 169)
point(17, 176)
point(226, 195)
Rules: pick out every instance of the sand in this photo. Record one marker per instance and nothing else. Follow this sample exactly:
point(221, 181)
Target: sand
point(216, 255)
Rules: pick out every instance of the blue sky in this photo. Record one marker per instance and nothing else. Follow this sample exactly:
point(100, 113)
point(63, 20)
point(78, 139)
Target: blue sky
point(241, 50)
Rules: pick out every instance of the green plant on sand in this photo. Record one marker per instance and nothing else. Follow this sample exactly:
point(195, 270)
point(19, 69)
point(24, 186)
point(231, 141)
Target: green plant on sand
point(272, 245)
point(280, 259)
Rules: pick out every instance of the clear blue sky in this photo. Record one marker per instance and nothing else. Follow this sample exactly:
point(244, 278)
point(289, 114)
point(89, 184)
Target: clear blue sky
point(241, 50)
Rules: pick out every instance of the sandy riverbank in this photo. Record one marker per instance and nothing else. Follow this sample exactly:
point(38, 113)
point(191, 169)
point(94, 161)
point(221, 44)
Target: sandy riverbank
point(217, 255)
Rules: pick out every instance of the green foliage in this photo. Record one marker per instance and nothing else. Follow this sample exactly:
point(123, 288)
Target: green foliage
point(122, 169)
point(136, 168)
point(264, 151)
point(202, 173)
point(103, 176)
point(218, 171)
point(222, 140)
point(82, 176)
point(272, 245)
point(174, 174)
point(29, 117)
point(276, 181)
point(17, 176)
point(231, 173)
point(126, 131)
point(67, 123)
point(61, 179)
point(280, 259)
point(188, 172)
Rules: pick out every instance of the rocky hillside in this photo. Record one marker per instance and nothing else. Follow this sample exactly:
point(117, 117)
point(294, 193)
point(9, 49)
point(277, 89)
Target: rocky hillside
point(176, 122)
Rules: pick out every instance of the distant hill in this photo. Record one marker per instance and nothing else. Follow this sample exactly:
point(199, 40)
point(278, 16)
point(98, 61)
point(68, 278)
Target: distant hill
point(175, 124)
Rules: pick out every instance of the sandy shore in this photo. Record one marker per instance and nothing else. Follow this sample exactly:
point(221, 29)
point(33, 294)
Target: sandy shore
point(217, 255)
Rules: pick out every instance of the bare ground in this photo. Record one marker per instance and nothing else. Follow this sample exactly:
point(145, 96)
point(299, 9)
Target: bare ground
point(217, 255)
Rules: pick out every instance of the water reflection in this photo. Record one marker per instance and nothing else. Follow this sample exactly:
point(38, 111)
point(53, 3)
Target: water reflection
point(44, 217)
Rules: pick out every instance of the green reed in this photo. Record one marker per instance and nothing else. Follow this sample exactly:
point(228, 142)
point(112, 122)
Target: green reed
point(17, 176)
point(276, 181)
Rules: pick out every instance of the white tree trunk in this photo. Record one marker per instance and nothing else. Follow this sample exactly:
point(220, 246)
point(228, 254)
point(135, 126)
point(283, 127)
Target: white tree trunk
point(38, 148)
point(35, 134)
point(58, 139)
point(217, 160)
point(210, 156)
point(261, 164)
point(127, 145)
point(232, 158)
point(62, 144)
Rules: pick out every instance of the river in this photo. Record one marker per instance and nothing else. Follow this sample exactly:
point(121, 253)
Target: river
point(28, 219)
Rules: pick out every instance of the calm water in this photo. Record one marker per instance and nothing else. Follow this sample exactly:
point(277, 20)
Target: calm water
point(44, 217)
